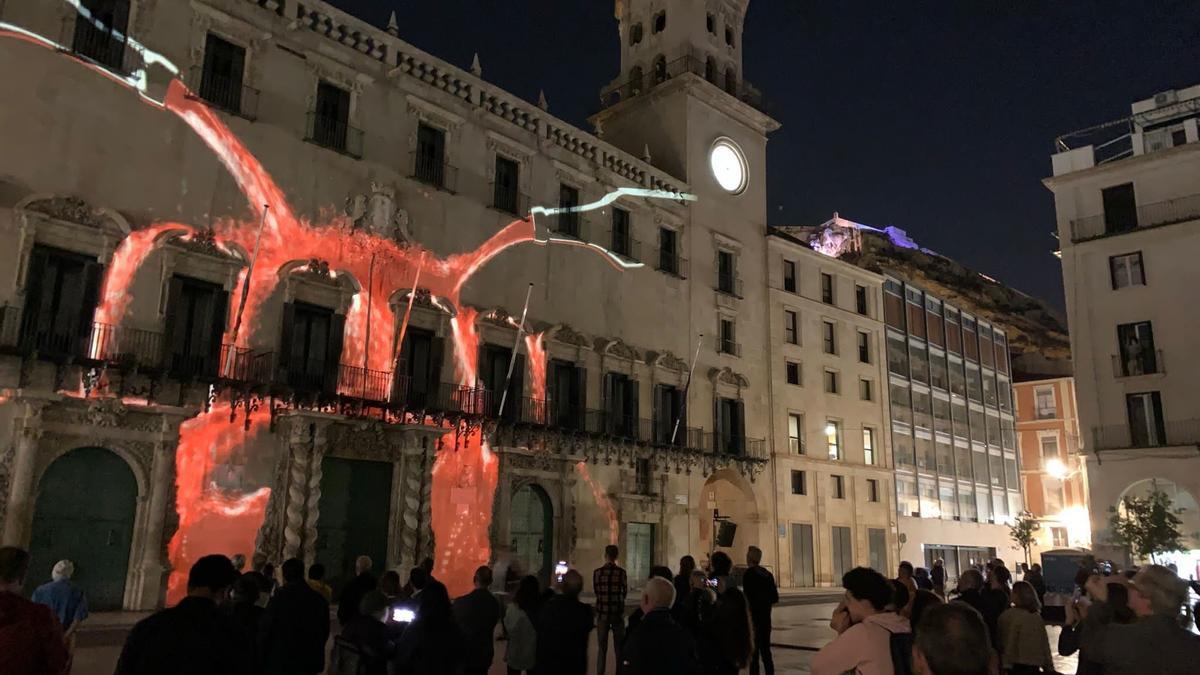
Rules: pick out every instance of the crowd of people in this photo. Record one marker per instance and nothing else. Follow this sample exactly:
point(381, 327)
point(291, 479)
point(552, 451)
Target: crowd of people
point(1120, 624)
point(694, 622)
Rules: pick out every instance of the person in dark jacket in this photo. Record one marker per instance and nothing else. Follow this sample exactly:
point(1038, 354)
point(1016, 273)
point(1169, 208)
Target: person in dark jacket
point(1035, 579)
point(726, 628)
point(683, 581)
point(370, 637)
point(295, 626)
point(996, 596)
point(31, 639)
point(1156, 642)
point(938, 576)
point(352, 593)
point(477, 614)
point(195, 636)
point(430, 644)
point(970, 592)
point(761, 594)
point(563, 628)
point(699, 602)
point(246, 612)
point(635, 617)
point(659, 646)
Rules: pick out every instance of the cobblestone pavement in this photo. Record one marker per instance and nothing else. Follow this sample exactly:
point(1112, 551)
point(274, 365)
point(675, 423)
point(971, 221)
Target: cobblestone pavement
point(799, 631)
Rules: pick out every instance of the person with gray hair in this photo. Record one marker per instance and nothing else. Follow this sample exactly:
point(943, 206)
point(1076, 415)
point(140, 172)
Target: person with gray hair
point(659, 646)
point(1156, 642)
point(66, 600)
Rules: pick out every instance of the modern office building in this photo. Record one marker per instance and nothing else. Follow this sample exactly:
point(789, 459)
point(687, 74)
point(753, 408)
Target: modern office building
point(1052, 469)
point(1127, 198)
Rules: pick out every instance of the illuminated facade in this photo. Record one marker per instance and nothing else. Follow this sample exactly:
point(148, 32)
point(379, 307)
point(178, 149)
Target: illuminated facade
point(1127, 204)
point(1052, 469)
point(833, 481)
point(326, 376)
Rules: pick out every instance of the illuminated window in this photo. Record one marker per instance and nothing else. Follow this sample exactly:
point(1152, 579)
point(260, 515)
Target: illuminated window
point(832, 386)
point(827, 288)
point(789, 276)
point(839, 487)
point(504, 193)
point(790, 327)
point(796, 433)
point(793, 372)
point(799, 486)
point(568, 221)
point(105, 46)
point(1050, 450)
point(660, 22)
point(868, 445)
point(668, 251)
point(221, 78)
point(622, 241)
point(1126, 270)
point(833, 438)
point(829, 337)
point(1058, 537)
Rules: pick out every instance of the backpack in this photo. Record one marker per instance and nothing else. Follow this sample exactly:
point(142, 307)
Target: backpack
point(901, 645)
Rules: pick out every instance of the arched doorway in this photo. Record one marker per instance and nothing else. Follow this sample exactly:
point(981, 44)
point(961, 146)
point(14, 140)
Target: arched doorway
point(727, 495)
point(85, 511)
point(532, 531)
point(1181, 499)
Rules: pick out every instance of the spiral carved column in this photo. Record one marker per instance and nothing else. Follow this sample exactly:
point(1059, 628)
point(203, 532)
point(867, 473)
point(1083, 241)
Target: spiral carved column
point(425, 517)
point(314, 497)
point(410, 510)
point(296, 510)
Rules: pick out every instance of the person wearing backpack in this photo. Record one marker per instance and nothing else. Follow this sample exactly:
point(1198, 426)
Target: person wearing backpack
point(871, 640)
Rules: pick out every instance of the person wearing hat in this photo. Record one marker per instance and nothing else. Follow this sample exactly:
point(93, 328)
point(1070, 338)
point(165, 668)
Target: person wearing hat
point(65, 599)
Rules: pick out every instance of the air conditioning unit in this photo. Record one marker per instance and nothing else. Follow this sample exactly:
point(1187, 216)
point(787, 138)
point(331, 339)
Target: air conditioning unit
point(1165, 98)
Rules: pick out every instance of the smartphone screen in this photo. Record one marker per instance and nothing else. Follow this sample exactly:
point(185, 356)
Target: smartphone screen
point(403, 615)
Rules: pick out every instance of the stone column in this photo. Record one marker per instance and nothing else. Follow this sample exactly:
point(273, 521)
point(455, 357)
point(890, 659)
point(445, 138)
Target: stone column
point(296, 508)
point(18, 515)
point(152, 567)
point(312, 512)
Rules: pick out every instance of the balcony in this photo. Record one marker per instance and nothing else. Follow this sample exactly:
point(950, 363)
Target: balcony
point(672, 263)
point(434, 171)
point(1174, 433)
point(102, 47)
point(729, 286)
point(627, 247)
point(727, 346)
point(739, 89)
point(1146, 362)
point(225, 93)
point(1158, 214)
point(334, 134)
point(509, 201)
point(116, 346)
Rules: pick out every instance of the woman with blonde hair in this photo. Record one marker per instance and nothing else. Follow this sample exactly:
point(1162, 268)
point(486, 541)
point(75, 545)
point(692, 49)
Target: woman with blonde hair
point(1024, 645)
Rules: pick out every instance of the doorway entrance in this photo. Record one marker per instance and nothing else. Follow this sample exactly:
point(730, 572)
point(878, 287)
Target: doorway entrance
point(639, 552)
point(532, 529)
point(843, 555)
point(728, 493)
point(84, 513)
point(802, 555)
point(356, 500)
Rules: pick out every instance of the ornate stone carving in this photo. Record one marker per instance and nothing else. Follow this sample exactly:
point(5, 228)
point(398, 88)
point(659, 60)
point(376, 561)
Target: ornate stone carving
point(667, 360)
point(379, 214)
point(293, 528)
point(568, 335)
point(314, 501)
point(317, 269)
point(71, 210)
point(617, 347)
point(425, 533)
point(536, 461)
point(499, 316)
point(105, 412)
point(367, 441)
point(728, 376)
point(203, 241)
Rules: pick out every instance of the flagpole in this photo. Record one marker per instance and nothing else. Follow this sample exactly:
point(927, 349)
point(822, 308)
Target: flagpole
point(512, 360)
point(686, 387)
point(237, 322)
point(370, 291)
point(398, 347)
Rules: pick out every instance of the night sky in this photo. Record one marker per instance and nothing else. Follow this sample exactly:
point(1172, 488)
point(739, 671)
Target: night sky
point(936, 117)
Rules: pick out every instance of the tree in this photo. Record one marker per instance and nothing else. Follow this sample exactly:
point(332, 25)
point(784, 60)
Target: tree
point(1146, 526)
point(1023, 531)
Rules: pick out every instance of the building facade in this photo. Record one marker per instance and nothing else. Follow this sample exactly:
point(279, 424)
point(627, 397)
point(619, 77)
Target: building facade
point(1127, 203)
point(833, 483)
point(172, 390)
point(1052, 470)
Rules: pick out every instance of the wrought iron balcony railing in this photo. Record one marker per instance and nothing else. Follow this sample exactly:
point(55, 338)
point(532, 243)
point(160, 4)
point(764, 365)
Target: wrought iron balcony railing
point(434, 171)
point(225, 93)
point(1169, 212)
point(335, 134)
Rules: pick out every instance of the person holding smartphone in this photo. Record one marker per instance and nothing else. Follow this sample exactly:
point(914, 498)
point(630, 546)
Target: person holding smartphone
point(864, 627)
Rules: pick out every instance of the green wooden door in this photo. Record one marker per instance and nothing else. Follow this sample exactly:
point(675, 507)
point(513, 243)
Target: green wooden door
point(639, 552)
point(356, 499)
point(532, 532)
point(84, 513)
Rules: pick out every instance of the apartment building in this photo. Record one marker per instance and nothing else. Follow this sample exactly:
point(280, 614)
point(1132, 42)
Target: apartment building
point(1128, 203)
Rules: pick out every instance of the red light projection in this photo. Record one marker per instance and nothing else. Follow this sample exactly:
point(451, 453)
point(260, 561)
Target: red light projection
point(602, 501)
point(535, 346)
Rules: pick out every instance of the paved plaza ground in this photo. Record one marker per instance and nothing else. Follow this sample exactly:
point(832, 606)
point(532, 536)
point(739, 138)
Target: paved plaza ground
point(801, 627)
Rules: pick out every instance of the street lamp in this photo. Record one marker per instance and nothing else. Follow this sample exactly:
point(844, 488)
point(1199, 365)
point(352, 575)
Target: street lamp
point(1057, 469)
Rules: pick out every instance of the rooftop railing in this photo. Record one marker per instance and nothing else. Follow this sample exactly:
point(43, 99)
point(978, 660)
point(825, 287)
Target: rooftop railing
point(1172, 433)
point(1157, 214)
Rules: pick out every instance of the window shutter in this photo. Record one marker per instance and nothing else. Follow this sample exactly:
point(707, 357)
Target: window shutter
point(1159, 425)
point(608, 402)
point(634, 405)
point(287, 329)
point(34, 314)
point(739, 427)
point(93, 278)
point(516, 388)
point(656, 414)
point(220, 305)
point(579, 395)
point(333, 351)
point(437, 347)
point(173, 335)
point(718, 424)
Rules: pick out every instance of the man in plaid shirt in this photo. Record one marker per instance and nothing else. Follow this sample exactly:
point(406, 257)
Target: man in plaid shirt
point(610, 585)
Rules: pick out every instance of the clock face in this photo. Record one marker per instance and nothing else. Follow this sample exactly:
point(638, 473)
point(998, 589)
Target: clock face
point(728, 166)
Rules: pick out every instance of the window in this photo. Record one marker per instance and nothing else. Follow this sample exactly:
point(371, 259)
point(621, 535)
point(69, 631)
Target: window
point(429, 167)
point(897, 352)
point(941, 415)
point(1126, 270)
point(61, 293)
point(793, 373)
point(710, 70)
point(938, 376)
point(726, 340)
point(864, 347)
point(568, 201)
point(620, 405)
point(622, 242)
point(796, 434)
point(311, 346)
point(901, 403)
point(670, 415)
point(105, 46)
point(730, 80)
point(1044, 403)
point(331, 117)
point(790, 332)
point(827, 288)
point(726, 273)
point(731, 427)
point(799, 486)
point(710, 23)
point(660, 69)
point(221, 79)
point(860, 299)
point(660, 22)
point(1120, 208)
point(958, 381)
point(1058, 537)
point(635, 75)
point(919, 361)
point(643, 478)
point(421, 364)
point(829, 336)
point(872, 490)
point(833, 438)
point(195, 322)
point(729, 36)
point(831, 382)
point(635, 34)
point(1145, 419)
point(865, 390)
point(493, 373)
point(1050, 450)
point(1136, 342)
point(974, 383)
point(868, 445)
point(1052, 493)
point(504, 190)
point(839, 487)
point(668, 251)
point(789, 276)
